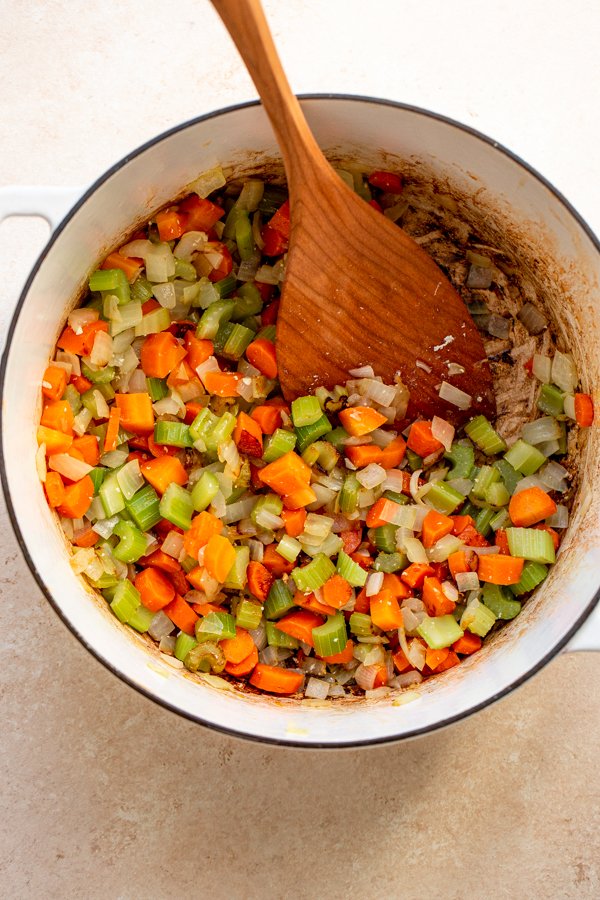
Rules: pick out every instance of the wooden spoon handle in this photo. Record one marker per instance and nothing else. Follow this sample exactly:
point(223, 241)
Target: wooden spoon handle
point(245, 21)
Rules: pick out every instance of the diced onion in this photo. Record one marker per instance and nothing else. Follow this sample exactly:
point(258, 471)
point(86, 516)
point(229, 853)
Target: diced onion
point(235, 512)
point(189, 243)
point(454, 395)
point(569, 406)
point(467, 581)
point(371, 476)
point(68, 466)
point(442, 431)
point(532, 318)
point(540, 430)
point(209, 365)
point(265, 275)
point(542, 368)
point(81, 317)
point(442, 549)
point(114, 459)
point(450, 591)
point(564, 373)
point(394, 481)
point(376, 693)
point(249, 267)
point(486, 551)
point(137, 382)
point(165, 294)
point(316, 689)
point(554, 476)
point(528, 482)
point(40, 462)
point(406, 679)
point(415, 550)
point(209, 181)
point(416, 654)
point(374, 584)
point(102, 349)
point(365, 676)
point(362, 372)
point(138, 249)
point(168, 406)
point(101, 405)
point(383, 394)
point(462, 485)
point(559, 519)
point(173, 544)
point(63, 356)
point(160, 626)
point(105, 527)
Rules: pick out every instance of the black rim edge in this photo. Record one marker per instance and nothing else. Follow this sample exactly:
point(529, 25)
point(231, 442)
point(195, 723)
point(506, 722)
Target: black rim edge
point(231, 732)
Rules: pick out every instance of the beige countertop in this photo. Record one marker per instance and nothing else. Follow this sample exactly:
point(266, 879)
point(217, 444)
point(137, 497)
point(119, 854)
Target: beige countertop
point(104, 794)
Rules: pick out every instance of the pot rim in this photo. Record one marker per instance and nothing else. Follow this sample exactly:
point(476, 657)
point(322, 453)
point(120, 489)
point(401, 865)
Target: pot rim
point(232, 732)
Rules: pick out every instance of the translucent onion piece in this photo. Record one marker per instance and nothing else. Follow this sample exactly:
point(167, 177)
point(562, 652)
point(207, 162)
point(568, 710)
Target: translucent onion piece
point(529, 482)
point(450, 591)
point(564, 373)
point(249, 267)
point(189, 243)
point(542, 368)
point(79, 318)
point(442, 431)
point(240, 510)
point(68, 466)
point(374, 584)
point(139, 249)
point(173, 544)
point(532, 318)
point(554, 476)
point(105, 527)
point(377, 693)
point(316, 689)
point(560, 519)
point(546, 428)
point(498, 326)
point(209, 365)
point(165, 294)
point(383, 394)
point(209, 181)
point(442, 549)
point(394, 481)
point(365, 676)
point(454, 395)
point(102, 349)
point(371, 476)
point(467, 581)
point(415, 550)
point(63, 356)
point(362, 372)
point(406, 679)
point(114, 458)
point(416, 654)
point(160, 626)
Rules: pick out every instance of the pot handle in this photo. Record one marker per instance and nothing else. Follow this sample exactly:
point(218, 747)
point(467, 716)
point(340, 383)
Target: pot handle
point(50, 203)
point(588, 636)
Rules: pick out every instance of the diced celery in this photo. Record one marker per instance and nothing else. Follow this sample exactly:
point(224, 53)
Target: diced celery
point(111, 495)
point(328, 455)
point(390, 562)
point(98, 376)
point(183, 645)
point(307, 434)
point(248, 614)
point(73, 398)
point(313, 576)
point(402, 499)
point(337, 437)
point(244, 237)
point(131, 316)
point(185, 270)
point(213, 317)
point(279, 600)
point(157, 388)
point(141, 289)
point(176, 506)
point(144, 508)
point(414, 460)
point(497, 495)
point(509, 476)
point(125, 601)
point(533, 574)
point(483, 435)
point(440, 631)
point(384, 538)
point(348, 496)
point(155, 321)
point(247, 303)
point(524, 457)
point(203, 425)
point(331, 637)
point(174, 434)
point(551, 400)
point(306, 411)
point(141, 619)
point(232, 339)
point(486, 476)
point(204, 491)
point(278, 444)
point(289, 548)
point(216, 626)
point(271, 504)
point(205, 657)
point(477, 618)
point(483, 520)
point(221, 432)
point(443, 498)
point(500, 520)
point(350, 570)
point(361, 624)
point(462, 456)
point(236, 579)
point(500, 601)
point(112, 280)
point(277, 638)
point(132, 544)
point(97, 475)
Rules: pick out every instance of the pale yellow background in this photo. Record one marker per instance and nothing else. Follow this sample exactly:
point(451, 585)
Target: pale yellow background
point(103, 794)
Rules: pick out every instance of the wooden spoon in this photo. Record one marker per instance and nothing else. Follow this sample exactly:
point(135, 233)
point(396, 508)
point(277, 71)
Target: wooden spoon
point(358, 290)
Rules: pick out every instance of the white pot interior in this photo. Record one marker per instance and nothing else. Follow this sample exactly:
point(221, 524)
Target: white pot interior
point(509, 205)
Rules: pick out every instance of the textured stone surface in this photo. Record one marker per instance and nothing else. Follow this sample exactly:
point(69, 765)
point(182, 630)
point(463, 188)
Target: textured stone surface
point(105, 795)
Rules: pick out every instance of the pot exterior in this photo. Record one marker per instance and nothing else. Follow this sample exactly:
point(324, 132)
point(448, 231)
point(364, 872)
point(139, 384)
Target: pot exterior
point(525, 211)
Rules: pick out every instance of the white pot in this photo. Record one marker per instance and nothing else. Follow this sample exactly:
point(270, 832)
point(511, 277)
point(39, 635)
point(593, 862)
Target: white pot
point(525, 212)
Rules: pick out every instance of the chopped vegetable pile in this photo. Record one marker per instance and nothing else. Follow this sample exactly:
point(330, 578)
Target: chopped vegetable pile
point(321, 548)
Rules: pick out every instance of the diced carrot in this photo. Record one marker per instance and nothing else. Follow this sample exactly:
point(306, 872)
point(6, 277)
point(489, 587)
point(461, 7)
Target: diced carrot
point(261, 354)
point(401, 663)
point(553, 534)
point(363, 559)
point(198, 350)
point(219, 557)
point(393, 454)
point(170, 224)
point(360, 420)
point(238, 648)
point(294, 520)
point(58, 415)
point(381, 679)
point(81, 344)
point(460, 523)
point(362, 603)
point(86, 538)
point(164, 470)
point(128, 264)
point(394, 584)
point(421, 440)
point(149, 306)
point(351, 540)
point(268, 418)
point(80, 383)
point(201, 214)
point(450, 661)
point(55, 489)
point(363, 454)
point(270, 312)
point(530, 506)
point(286, 474)
point(473, 538)
point(191, 411)
point(87, 445)
point(203, 609)
point(309, 601)
point(385, 611)
point(280, 220)
point(386, 181)
point(276, 680)
point(458, 563)
point(260, 580)
point(112, 431)
point(415, 574)
point(435, 527)
point(204, 526)
point(433, 658)
point(54, 382)
point(374, 519)
point(136, 411)
point(300, 625)
point(434, 598)
point(160, 354)
point(336, 592)
point(248, 436)
point(245, 666)
point(225, 265)
point(584, 410)
point(299, 498)
point(501, 540)
point(222, 384)
point(55, 441)
point(158, 450)
point(274, 242)
point(500, 569)
point(467, 644)
point(156, 590)
point(184, 374)
point(275, 563)
point(161, 560)
point(77, 499)
point(181, 614)
point(344, 656)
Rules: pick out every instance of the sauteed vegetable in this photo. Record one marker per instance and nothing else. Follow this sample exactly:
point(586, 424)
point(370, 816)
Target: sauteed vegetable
point(329, 546)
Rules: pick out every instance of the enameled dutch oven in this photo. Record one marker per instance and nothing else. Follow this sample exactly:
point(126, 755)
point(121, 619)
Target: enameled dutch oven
point(507, 202)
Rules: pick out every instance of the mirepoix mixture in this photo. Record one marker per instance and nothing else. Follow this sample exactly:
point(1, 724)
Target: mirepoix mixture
point(323, 548)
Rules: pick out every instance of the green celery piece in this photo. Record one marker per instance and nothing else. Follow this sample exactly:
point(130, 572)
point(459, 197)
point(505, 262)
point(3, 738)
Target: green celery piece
point(469, 510)
point(185, 270)
point(236, 579)
point(500, 520)
point(279, 600)
point(225, 286)
point(205, 657)
point(173, 434)
point(277, 638)
point(414, 460)
point(313, 576)
point(216, 626)
point(395, 497)
point(176, 506)
point(533, 574)
point(348, 496)
point(125, 601)
point(157, 388)
point(337, 437)
point(278, 444)
point(232, 340)
point(440, 631)
point(384, 538)
point(497, 495)
point(311, 455)
point(203, 425)
point(486, 476)
point(132, 544)
point(73, 398)
point(328, 455)
point(483, 520)
point(141, 289)
point(248, 614)
point(307, 434)
point(97, 475)
point(234, 214)
point(509, 476)
point(443, 498)
point(350, 570)
point(483, 435)
point(244, 237)
point(477, 618)
point(331, 637)
point(551, 400)
point(98, 376)
point(111, 495)
point(144, 508)
point(269, 333)
point(212, 318)
point(183, 645)
point(390, 562)
point(105, 581)
point(221, 432)
point(289, 548)
point(141, 619)
point(112, 281)
point(462, 457)
point(107, 391)
point(361, 624)
point(153, 322)
point(500, 601)
point(273, 197)
point(204, 491)
point(247, 303)
point(524, 457)
point(306, 411)
point(269, 503)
